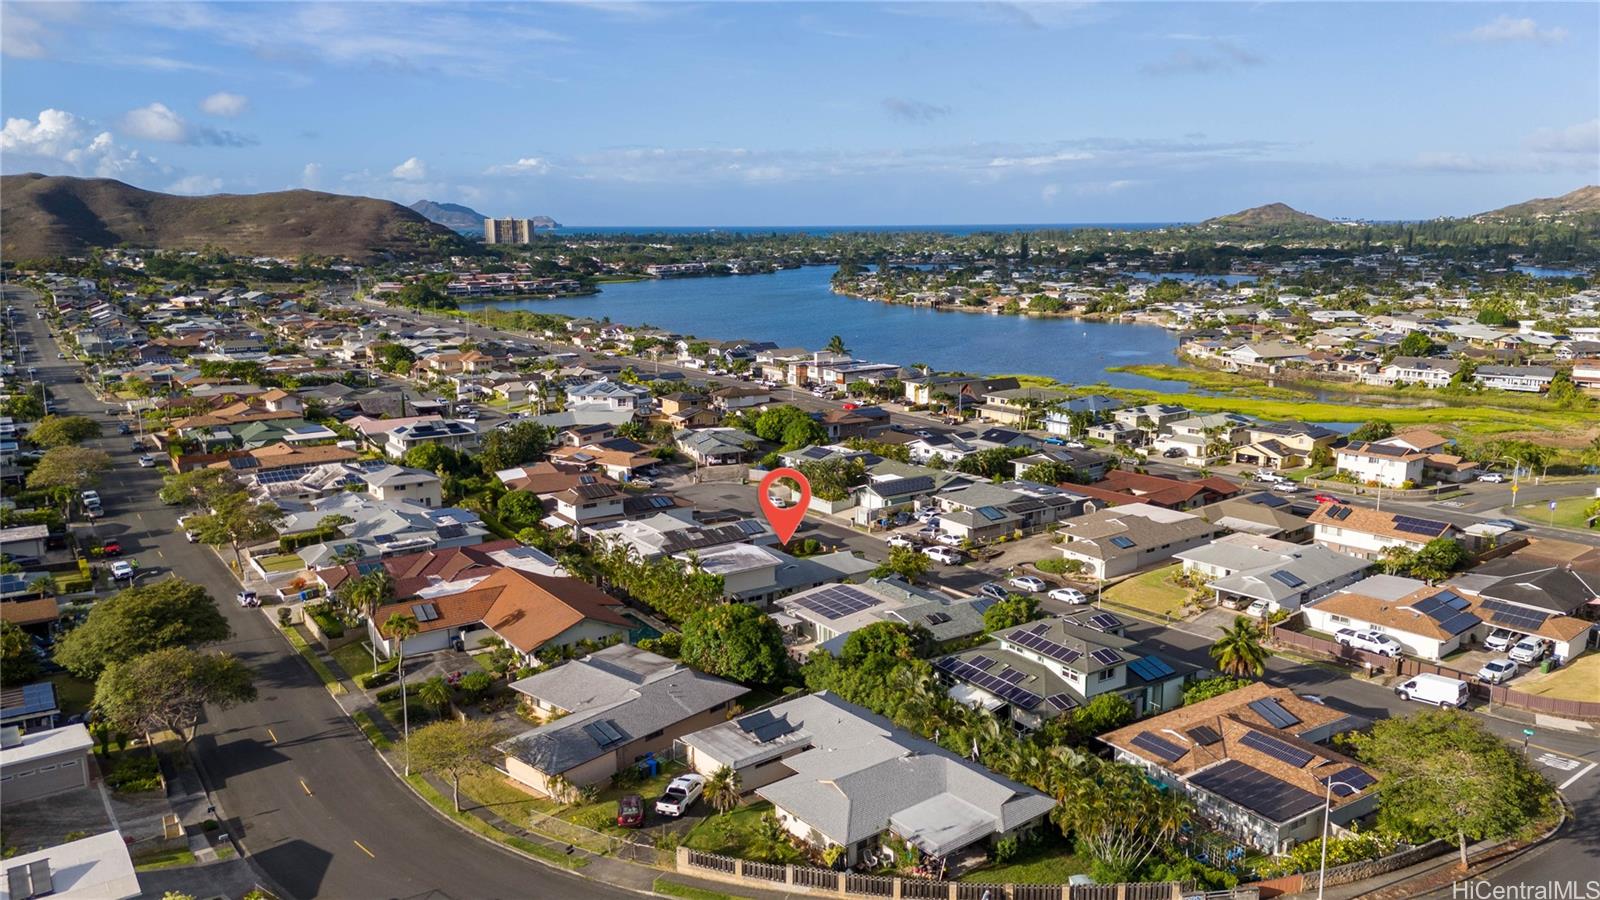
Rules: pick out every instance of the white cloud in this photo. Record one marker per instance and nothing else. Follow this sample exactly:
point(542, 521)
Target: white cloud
point(1222, 55)
point(223, 103)
point(311, 175)
point(527, 165)
point(159, 122)
point(156, 122)
point(1506, 29)
point(60, 137)
point(196, 184)
point(412, 169)
point(1049, 192)
point(1039, 160)
point(1583, 137)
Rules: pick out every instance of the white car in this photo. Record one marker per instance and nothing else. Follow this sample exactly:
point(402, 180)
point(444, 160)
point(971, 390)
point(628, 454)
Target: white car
point(1492, 478)
point(1497, 671)
point(1285, 487)
point(1259, 609)
point(779, 502)
point(680, 795)
point(1530, 649)
point(1500, 639)
point(901, 540)
point(947, 555)
point(121, 569)
point(1068, 595)
point(147, 461)
point(949, 540)
point(1027, 583)
point(1370, 641)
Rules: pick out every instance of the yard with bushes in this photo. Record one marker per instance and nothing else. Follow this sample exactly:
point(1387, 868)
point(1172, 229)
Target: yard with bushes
point(735, 834)
point(1154, 592)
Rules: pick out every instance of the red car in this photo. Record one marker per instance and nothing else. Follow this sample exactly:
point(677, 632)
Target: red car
point(111, 548)
point(630, 811)
point(850, 406)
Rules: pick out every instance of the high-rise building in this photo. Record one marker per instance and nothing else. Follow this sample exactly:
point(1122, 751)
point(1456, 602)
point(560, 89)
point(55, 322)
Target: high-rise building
point(508, 231)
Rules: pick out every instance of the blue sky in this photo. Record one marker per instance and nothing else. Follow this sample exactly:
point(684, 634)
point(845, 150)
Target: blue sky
point(818, 113)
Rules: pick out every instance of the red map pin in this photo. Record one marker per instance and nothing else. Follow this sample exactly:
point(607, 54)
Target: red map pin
point(785, 520)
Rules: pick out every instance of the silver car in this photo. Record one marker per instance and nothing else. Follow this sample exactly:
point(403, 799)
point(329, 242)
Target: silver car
point(1497, 671)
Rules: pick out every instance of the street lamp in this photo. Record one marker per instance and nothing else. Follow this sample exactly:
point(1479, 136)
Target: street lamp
point(1516, 471)
point(1327, 810)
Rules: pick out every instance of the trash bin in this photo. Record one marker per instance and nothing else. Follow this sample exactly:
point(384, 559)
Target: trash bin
point(1545, 667)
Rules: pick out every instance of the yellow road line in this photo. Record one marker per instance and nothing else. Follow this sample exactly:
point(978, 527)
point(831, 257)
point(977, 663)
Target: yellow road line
point(273, 736)
point(363, 848)
point(304, 787)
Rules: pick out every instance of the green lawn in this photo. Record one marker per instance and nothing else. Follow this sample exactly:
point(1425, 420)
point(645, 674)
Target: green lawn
point(729, 835)
point(162, 859)
point(1049, 860)
point(356, 659)
point(669, 888)
point(1153, 592)
point(473, 823)
point(517, 805)
point(280, 562)
point(317, 665)
point(1568, 513)
point(73, 694)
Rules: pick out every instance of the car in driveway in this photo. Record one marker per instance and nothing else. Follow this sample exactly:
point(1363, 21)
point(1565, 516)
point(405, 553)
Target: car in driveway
point(1259, 609)
point(1530, 649)
point(950, 556)
point(1497, 671)
point(994, 591)
point(900, 540)
point(111, 548)
point(1500, 640)
point(1370, 641)
point(1068, 595)
point(949, 540)
point(121, 569)
point(630, 811)
point(1027, 583)
point(680, 795)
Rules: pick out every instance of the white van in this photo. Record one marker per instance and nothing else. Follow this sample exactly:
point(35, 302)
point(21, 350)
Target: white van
point(1435, 689)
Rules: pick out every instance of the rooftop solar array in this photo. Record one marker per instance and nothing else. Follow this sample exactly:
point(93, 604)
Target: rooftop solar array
point(1513, 616)
point(604, 732)
point(1288, 579)
point(1276, 749)
point(1105, 656)
point(1349, 780)
point(1151, 668)
point(1159, 746)
point(1256, 790)
point(981, 662)
point(937, 618)
point(1122, 541)
point(425, 612)
point(1042, 645)
point(1204, 735)
point(764, 726)
point(1020, 697)
point(1009, 675)
point(1104, 622)
point(1273, 711)
point(1061, 702)
point(1443, 608)
point(1414, 525)
point(839, 601)
point(1339, 513)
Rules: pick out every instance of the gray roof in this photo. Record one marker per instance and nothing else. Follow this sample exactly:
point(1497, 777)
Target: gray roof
point(1313, 566)
point(856, 773)
point(620, 688)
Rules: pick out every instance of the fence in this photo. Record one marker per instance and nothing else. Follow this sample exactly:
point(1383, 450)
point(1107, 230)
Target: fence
point(632, 848)
point(814, 880)
point(1405, 665)
point(1422, 493)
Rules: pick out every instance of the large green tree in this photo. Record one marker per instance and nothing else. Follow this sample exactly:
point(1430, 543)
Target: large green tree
point(454, 750)
point(198, 488)
point(140, 619)
point(1013, 610)
point(735, 641)
point(169, 689)
point(524, 442)
point(63, 431)
point(1239, 650)
point(1445, 775)
point(64, 471)
point(907, 562)
point(19, 662)
point(235, 521)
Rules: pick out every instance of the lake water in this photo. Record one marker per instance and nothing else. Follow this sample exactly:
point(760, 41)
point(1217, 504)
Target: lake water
point(796, 308)
point(1545, 272)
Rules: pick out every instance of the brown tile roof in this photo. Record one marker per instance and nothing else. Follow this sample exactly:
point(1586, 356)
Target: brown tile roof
point(30, 612)
point(415, 571)
point(603, 456)
point(544, 479)
point(1160, 491)
point(533, 609)
point(278, 455)
point(455, 610)
point(1391, 614)
point(1370, 521)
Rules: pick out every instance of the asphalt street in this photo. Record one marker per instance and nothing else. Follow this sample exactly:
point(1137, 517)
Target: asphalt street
point(314, 808)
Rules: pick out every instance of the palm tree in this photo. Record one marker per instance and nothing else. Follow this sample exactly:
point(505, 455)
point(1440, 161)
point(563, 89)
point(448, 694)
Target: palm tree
point(836, 345)
point(401, 627)
point(435, 693)
point(1239, 651)
point(723, 789)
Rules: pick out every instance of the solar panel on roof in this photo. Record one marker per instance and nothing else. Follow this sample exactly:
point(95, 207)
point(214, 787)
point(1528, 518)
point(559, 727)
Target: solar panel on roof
point(839, 601)
point(981, 662)
point(1151, 668)
point(1204, 735)
point(990, 513)
point(1270, 709)
point(1105, 656)
point(1009, 675)
point(1018, 696)
point(1276, 749)
point(1250, 787)
point(604, 732)
point(1122, 541)
point(1288, 579)
point(1513, 616)
point(1349, 780)
point(937, 618)
point(1159, 746)
point(1061, 702)
point(1452, 600)
point(1104, 622)
point(1043, 645)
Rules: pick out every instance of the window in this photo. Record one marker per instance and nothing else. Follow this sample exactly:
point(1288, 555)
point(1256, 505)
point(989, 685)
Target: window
point(1106, 674)
point(1342, 620)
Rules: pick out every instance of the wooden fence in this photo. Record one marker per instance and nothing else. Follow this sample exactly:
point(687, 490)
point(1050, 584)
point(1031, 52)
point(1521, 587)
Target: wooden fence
point(814, 880)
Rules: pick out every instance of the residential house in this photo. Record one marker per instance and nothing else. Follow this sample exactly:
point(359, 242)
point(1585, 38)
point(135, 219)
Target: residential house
point(924, 389)
point(1123, 486)
point(1244, 568)
point(1254, 762)
point(716, 446)
point(675, 531)
point(826, 616)
point(1126, 539)
point(1428, 622)
point(395, 483)
point(1265, 514)
point(613, 709)
point(1367, 533)
point(1525, 379)
point(434, 572)
point(29, 707)
point(610, 395)
point(1282, 445)
point(97, 867)
point(1433, 373)
point(619, 458)
point(1086, 465)
point(1022, 407)
point(1031, 673)
point(981, 511)
point(44, 762)
point(838, 775)
point(760, 574)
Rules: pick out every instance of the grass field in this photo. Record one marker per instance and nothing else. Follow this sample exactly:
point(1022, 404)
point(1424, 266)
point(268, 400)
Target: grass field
point(163, 859)
point(1569, 513)
point(281, 562)
point(1154, 592)
point(516, 805)
point(1050, 860)
point(443, 805)
point(73, 694)
point(729, 835)
point(1575, 681)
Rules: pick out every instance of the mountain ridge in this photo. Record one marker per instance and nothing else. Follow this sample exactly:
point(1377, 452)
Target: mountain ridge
point(57, 215)
point(1579, 202)
point(1269, 214)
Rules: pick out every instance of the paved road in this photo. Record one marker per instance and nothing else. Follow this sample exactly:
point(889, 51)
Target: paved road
point(256, 756)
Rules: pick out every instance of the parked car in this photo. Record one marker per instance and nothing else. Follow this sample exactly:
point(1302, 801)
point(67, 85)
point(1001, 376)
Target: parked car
point(1435, 689)
point(1492, 478)
point(247, 598)
point(1500, 639)
point(124, 428)
point(630, 811)
point(90, 498)
point(121, 569)
point(1027, 583)
point(947, 555)
point(1370, 641)
point(111, 548)
point(1259, 609)
point(994, 591)
point(1530, 649)
point(147, 461)
point(1285, 487)
point(902, 519)
point(1497, 671)
point(1173, 452)
point(949, 540)
point(680, 795)
point(1327, 498)
point(900, 540)
point(1068, 595)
